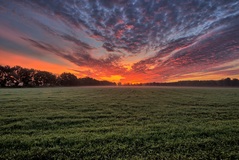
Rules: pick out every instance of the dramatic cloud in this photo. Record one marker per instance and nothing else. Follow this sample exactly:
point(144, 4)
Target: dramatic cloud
point(137, 40)
point(107, 64)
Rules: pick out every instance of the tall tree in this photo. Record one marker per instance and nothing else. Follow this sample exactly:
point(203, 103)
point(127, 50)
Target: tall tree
point(67, 79)
point(44, 78)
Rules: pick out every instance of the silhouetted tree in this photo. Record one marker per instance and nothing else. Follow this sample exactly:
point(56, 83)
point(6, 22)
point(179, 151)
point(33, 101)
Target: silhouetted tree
point(2, 76)
point(44, 78)
point(26, 76)
point(206, 83)
point(87, 81)
point(235, 82)
point(67, 79)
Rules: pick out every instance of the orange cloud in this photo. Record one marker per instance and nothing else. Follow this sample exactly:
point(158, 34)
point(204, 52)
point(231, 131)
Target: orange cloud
point(119, 34)
point(129, 27)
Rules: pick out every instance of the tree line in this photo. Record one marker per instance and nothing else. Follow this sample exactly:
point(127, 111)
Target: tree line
point(227, 82)
point(22, 77)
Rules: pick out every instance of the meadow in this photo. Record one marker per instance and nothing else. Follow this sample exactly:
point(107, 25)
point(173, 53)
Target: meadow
point(119, 123)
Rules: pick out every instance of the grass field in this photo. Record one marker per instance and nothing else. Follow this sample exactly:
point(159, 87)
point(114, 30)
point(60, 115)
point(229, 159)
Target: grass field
point(119, 123)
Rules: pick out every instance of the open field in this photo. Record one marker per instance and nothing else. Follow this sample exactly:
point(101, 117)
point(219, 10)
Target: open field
point(119, 123)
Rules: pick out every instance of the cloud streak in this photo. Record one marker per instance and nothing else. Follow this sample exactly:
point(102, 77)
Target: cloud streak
point(107, 64)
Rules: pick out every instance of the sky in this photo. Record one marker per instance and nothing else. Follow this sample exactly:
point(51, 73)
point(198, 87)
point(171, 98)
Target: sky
point(128, 41)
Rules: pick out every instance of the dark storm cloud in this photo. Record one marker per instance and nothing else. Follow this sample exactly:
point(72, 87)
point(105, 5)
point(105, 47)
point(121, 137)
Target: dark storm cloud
point(137, 24)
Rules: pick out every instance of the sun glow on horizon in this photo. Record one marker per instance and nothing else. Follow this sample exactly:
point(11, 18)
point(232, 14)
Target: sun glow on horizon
point(28, 62)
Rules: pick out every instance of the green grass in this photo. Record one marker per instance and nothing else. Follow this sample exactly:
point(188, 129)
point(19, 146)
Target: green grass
point(119, 123)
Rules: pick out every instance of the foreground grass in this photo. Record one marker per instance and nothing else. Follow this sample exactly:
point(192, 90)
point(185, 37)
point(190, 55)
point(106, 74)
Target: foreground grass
point(119, 123)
